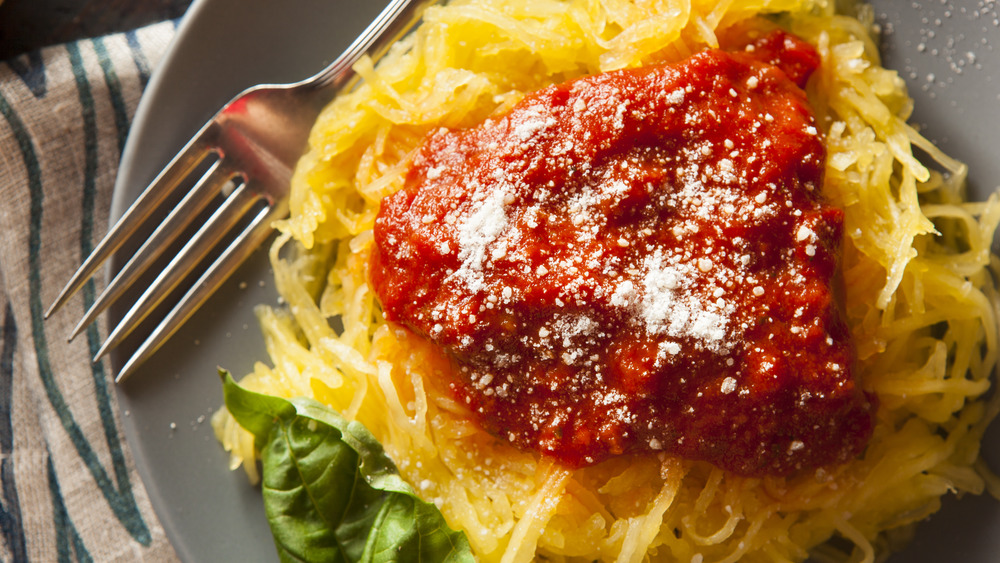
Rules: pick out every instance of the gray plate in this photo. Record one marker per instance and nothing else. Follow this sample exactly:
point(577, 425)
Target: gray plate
point(943, 48)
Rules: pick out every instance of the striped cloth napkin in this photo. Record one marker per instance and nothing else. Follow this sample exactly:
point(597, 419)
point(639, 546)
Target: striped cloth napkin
point(70, 490)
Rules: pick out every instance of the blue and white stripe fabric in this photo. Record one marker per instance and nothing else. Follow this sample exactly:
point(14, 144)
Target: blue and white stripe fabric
point(70, 490)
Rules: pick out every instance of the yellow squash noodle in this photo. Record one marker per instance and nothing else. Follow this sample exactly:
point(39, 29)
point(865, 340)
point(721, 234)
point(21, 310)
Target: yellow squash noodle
point(921, 298)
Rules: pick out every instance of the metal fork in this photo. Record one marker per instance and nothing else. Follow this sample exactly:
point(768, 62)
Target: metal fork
point(257, 139)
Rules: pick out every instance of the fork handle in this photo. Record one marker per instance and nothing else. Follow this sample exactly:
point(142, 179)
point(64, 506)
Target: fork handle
point(395, 20)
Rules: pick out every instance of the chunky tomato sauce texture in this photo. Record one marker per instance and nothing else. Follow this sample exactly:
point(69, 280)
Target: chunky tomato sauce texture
point(638, 261)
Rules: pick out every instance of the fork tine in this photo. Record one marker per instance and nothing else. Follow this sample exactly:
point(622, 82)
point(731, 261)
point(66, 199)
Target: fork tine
point(208, 237)
point(194, 202)
point(162, 187)
point(237, 252)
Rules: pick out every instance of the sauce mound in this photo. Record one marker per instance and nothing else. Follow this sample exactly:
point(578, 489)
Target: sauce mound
point(637, 261)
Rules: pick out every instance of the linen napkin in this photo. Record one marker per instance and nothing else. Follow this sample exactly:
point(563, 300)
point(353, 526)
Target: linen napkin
point(69, 489)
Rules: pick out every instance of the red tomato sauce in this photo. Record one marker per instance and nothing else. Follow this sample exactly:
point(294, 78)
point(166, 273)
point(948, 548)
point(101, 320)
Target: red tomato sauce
point(638, 261)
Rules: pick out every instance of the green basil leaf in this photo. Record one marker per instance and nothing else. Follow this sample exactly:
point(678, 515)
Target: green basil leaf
point(255, 412)
point(330, 491)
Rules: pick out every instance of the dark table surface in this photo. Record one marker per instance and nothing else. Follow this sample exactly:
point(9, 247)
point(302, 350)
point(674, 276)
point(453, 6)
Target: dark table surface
point(26, 25)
